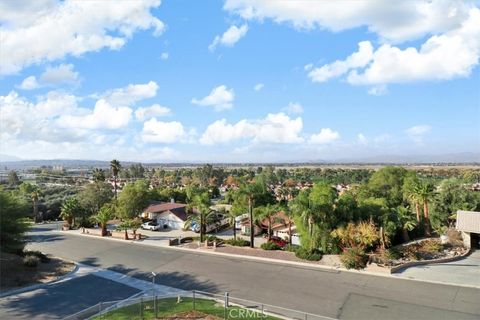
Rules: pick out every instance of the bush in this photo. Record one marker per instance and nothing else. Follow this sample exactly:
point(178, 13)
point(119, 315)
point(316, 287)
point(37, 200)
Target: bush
point(411, 252)
point(454, 237)
point(237, 243)
point(31, 261)
point(354, 258)
point(393, 253)
point(41, 256)
point(291, 248)
point(270, 245)
point(431, 246)
point(302, 253)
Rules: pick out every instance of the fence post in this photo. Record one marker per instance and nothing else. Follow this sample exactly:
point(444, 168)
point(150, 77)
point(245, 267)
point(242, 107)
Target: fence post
point(155, 306)
point(226, 306)
point(141, 308)
point(263, 314)
point(193, 292)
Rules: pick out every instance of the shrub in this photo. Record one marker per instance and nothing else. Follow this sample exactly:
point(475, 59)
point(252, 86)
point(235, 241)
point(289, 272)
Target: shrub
point(270, 246)
point(302, 253)
point(354, 258)
point(411, 252)
point(454, 237)
point(431, 246)
point(237, 243)
point(393, 253)
point(291, 248)
point(31, 261)
point(41, 256)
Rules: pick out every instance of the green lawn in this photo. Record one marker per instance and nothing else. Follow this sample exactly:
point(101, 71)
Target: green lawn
point(169, 307)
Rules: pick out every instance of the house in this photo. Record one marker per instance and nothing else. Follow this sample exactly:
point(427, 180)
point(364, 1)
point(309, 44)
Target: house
point(280, 227)
point(468, 223)
point(169, 214)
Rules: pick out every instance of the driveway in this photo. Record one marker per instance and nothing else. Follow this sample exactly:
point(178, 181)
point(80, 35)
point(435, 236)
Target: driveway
point(463, 272)
point(59, 300)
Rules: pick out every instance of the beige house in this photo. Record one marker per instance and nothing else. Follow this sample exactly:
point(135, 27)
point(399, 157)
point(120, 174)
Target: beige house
point(468, 222)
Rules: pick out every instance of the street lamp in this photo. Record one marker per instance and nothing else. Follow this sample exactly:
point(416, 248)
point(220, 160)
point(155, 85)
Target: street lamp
point(153, 293)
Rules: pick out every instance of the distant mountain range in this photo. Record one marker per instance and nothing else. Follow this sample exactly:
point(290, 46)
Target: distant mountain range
point(12, 162)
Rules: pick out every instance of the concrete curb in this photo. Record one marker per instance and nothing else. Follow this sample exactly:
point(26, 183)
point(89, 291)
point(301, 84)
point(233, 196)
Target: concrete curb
point(42, 285)
point(281, 262)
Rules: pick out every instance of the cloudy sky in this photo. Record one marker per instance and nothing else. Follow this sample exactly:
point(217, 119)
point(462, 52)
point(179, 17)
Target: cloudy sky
point(238, 80)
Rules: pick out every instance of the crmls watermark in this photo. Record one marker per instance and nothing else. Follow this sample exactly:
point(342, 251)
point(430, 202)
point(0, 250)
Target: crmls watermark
point(245, 314)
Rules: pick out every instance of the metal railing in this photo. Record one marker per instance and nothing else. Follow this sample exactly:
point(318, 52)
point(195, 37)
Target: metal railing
point(224, 306)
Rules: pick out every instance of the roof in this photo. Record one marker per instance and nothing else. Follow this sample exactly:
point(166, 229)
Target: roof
point(279, 220)
point(178, 209)
point(468, 221)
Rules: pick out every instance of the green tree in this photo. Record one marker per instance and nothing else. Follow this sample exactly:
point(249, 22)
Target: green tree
point(133, 199)
point(411, 191)
point(200, 212)
point(425, 194)
point(98, 175)
point(13, 211)
point(406, 221)
point(115, 167)
point(13, 179)
point(387, 183)
point(33, 192)
point(267, 212)
point(93, 196)
point(70, 209)
point(104, 215)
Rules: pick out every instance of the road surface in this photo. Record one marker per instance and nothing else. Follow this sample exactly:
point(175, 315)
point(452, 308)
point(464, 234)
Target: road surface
point(335, 294)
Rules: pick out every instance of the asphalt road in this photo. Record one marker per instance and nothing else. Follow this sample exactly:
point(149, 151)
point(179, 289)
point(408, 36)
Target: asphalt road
point(335, 294)
point(62, 299)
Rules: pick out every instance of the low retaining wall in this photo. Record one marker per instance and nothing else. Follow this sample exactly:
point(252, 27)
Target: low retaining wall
point(425, 262)
point(94, 232)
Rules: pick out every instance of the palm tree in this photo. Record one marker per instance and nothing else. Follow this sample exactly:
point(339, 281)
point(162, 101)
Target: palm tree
point(98, 175)
point(406, 220)
point(425, 194)
point(33, 192)
point(69, 210)
point(268, 212)
point(232, 215)
point(204, 215)
point(115, 166)
point(289, 214)
point(251, 190)
point(413, 195)
point(105, 214)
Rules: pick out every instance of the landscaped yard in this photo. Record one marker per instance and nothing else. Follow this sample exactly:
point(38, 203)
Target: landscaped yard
point(169, 309)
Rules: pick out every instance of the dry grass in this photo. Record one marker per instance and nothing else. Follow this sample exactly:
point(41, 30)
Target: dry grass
point(14, 274)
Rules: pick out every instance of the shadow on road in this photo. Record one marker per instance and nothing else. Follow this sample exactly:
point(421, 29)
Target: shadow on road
point(45, 237)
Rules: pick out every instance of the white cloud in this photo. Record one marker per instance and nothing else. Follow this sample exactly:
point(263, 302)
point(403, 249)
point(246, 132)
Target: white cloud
point(393, 21)
point(258, 86)
point(442, 57)
point(362, 139)
point(293, 108)
point(379, 90)
point(155, 110)
point(163, 132)
point(229, 37)
point(62, 73)
point(130, 94)
point(275, 128)
point(29, 83)
point(220, 98)
point(417, 133)
point(68, 28)
point(381, 138)
point(164, 55)
point(325, 136)
point(103, 116)
point(356, 60)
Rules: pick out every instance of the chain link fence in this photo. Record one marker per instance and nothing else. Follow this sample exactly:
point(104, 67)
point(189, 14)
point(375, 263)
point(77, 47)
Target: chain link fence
point(187, 304)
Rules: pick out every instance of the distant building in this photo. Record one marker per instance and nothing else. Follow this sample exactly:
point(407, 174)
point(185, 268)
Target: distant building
point(468, 222)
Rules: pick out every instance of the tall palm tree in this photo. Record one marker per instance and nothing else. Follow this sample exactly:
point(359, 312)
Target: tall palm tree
point(302, 208)
point(232, 215)
point(251, 190)
point(69, 210)
point(268, 212)
point(115, 166)
point(425, 194)
point(204, 215)
point(413, 195)
point(289, 214)
point(98, 175)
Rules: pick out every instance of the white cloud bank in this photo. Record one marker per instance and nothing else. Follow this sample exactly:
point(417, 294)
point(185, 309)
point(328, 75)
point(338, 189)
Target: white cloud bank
point(274, 128)
point(220, 98)
point(229, 37)
point(68, 28)
point(52, 76)
point(325, 136)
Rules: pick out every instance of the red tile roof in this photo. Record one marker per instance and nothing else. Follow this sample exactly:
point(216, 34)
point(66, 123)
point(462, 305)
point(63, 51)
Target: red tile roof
point(164, 206)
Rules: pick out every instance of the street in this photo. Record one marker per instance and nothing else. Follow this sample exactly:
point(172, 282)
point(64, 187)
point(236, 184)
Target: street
point(335, 294)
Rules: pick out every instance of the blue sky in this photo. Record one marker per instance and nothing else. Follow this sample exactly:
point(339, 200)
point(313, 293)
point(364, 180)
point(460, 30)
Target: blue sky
point(283, 81)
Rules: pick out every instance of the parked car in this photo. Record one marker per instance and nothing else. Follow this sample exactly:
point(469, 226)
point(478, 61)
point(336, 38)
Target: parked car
point(151, 225)
point(279, 241)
